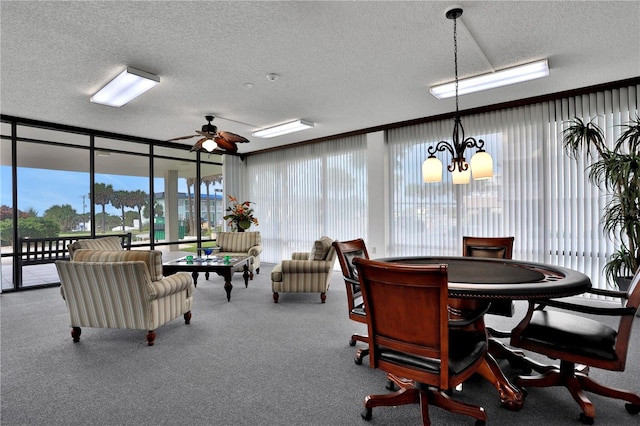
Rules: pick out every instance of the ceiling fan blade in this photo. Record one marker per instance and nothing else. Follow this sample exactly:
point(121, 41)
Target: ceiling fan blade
point(226, 145)
point(198, 145)
point(182, 137)
point(231, 137)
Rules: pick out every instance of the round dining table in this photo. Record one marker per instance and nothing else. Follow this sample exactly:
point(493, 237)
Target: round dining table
point(473, 282)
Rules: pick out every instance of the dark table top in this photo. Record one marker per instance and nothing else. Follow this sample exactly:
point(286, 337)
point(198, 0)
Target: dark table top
point(197, 263)
point(473, 277)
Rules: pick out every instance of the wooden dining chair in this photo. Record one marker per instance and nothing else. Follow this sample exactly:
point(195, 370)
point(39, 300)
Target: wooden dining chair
point(412, 339)
point(346, 252)
point(497, 248)
point(565, 334)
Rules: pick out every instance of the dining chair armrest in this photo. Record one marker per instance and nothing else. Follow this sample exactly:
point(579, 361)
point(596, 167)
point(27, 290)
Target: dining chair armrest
point(609, 293)
point(594, 310)
point(351, 280)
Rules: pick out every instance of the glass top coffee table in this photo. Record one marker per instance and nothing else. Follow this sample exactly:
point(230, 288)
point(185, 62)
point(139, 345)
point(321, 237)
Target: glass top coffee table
point(221, 266)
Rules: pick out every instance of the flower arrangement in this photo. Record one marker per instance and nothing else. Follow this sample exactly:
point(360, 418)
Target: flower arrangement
point(240, 215)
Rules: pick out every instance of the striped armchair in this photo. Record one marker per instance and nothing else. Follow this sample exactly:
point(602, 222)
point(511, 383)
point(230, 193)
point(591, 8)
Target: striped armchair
point(123, 289)
point(111, 243)
point(236, 244)
point(305, 272)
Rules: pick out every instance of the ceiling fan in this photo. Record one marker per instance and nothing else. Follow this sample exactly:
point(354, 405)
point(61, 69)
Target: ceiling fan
point(211, 138)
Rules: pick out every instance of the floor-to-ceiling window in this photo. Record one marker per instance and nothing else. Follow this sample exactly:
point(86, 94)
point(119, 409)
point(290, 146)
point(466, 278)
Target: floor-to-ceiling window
point(538, 194)
point(58, 183)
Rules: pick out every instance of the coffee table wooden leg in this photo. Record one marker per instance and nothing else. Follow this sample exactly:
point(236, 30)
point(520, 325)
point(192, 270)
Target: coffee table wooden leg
point(194, 274)
point(227, 283)
point(227, 273)
point(245, 275)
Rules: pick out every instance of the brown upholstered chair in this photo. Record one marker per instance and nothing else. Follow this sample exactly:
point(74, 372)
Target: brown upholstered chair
point(575, 339)
point(412, 339)
point(498, 248)
point(346, 251)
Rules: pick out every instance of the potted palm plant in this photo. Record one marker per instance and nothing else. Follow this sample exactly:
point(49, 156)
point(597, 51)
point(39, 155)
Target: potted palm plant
point(616, 170)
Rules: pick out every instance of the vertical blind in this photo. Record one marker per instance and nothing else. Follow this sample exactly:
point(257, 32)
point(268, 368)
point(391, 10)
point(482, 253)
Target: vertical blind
point(305, 192)
point(538, 194)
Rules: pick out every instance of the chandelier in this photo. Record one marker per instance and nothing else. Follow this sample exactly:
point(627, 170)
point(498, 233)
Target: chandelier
point(481, 163)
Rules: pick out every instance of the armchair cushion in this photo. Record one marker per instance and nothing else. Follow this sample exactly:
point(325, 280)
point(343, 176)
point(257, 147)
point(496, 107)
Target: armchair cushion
point(152, 258)
point(105, 243)
point(238, 241)
point(320, 249)
point(300, 256)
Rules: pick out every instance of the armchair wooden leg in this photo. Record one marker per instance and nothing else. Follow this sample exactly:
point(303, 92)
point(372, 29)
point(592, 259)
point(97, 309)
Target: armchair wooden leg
point(275, 297)
point(187, 317)
point(75, 334)
point(151, 337)
point(323, 297)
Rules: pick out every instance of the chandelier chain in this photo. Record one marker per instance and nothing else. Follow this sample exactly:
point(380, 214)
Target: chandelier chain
point(455, 56)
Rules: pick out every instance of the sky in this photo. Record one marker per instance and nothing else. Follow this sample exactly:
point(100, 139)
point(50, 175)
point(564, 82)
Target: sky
point(40, 189)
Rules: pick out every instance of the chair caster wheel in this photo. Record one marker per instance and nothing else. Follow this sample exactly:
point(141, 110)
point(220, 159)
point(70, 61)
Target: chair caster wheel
point(586, 419)
point(357, 360)
point(366, 414)
point(632, 408)
point(480, 423)
point(390, 386)
point(352, 342)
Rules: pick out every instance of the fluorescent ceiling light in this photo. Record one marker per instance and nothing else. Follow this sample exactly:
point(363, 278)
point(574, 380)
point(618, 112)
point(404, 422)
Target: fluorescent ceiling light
point(500, 78)
point(283, 129)
point(128, 85)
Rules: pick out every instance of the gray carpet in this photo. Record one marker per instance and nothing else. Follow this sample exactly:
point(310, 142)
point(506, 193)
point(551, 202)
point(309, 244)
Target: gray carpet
point(244, 362)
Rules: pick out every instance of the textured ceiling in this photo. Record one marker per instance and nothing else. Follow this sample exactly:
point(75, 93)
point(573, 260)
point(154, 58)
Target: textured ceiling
point(344, 65)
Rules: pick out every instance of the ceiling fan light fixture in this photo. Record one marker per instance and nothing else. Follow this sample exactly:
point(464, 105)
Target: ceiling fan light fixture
point(505, 77)
point(283, 129)
point(128, 85)
point(209, 145)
